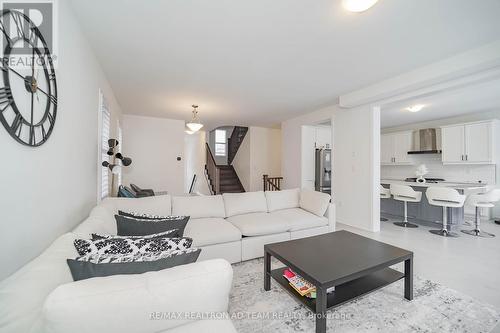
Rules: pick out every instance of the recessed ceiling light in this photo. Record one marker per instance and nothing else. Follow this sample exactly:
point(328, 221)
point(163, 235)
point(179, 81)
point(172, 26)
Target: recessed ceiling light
point(358, 6)
point(415, 108)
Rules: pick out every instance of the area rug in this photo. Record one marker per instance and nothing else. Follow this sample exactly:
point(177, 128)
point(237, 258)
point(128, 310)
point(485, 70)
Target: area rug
point(435, 308)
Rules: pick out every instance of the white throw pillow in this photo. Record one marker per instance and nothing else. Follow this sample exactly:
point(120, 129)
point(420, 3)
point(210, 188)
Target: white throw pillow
point(277, 200)
point(199, 206)
point(314, 202)
point(244, 203)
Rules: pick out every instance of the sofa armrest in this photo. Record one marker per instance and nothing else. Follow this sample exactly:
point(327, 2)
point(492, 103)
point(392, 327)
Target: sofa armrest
point(330, 214)
point(149, 302)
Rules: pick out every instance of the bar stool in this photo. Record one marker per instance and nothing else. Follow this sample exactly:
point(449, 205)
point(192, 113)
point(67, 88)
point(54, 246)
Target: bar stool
point(385, 193)
point(483, 200)
point(406, 194)
point(444, 197)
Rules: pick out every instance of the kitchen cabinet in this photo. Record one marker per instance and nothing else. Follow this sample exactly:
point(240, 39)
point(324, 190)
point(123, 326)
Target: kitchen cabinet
point(394, 148)
point(471, 143)
point(323, 137)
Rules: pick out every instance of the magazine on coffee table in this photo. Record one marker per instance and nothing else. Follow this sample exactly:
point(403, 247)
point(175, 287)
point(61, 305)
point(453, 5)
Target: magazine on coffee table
point(301, 285)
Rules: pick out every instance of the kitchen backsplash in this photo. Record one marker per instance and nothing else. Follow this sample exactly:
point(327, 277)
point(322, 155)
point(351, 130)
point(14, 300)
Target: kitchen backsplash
point(452, 173)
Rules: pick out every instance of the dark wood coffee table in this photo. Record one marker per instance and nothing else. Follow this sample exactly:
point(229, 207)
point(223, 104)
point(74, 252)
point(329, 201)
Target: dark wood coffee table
point(354, 264)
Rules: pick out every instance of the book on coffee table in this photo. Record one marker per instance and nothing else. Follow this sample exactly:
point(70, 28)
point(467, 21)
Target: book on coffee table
point(301, 285)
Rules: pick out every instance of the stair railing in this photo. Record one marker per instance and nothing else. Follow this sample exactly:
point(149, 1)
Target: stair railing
point(213, 171)
point(272, 183)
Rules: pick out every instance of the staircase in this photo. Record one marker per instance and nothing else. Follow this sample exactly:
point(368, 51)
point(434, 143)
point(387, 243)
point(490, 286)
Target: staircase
point(222, 178)
point(234, 142)
point(229, 181)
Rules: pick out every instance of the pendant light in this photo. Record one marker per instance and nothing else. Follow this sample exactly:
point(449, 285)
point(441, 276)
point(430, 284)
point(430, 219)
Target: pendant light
point(358, 6)
point(194, 125)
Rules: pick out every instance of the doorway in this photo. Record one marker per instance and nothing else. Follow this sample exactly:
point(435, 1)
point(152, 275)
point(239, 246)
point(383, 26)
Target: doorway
point(317, 156)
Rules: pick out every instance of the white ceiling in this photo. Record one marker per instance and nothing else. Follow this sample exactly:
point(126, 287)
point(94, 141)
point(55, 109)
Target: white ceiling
point(258, 62)
point(482, 97)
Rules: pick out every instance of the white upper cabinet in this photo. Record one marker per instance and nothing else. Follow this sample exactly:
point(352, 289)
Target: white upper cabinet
point(453, 144)
point(402, 145)
point(394, 148)
point(386, 149)
point(479, 143)
point(471, 143)
point(323, 137)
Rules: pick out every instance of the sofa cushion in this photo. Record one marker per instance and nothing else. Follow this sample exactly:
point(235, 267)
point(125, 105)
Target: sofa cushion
point(277, 200)
point(100, 221)
point(258, 224)
point(23, 293)
point(199, 206)
point(314, 202)
point(299, 219)
point(123, 303)
point(210, 231)
point(157, 205)
point(244, 203)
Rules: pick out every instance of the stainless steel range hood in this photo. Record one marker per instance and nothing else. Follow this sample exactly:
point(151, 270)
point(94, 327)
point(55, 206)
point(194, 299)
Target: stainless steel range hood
point(426, 141)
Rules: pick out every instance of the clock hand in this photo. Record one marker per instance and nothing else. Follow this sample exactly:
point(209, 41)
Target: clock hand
point(22, 77)
point(50, 97)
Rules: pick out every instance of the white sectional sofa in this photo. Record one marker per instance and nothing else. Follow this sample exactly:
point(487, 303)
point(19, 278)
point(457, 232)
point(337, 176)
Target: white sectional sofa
point(232, 226)
point(41, 297)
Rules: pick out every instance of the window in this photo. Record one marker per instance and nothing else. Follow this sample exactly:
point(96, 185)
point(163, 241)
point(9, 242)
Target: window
point(105, 117)
point(220, 143)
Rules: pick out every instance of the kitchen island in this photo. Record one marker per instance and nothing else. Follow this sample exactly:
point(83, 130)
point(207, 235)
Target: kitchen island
point(424, 212)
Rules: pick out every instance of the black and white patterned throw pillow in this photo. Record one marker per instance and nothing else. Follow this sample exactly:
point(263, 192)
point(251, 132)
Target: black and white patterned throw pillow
point(138, 257)
point(128, 246)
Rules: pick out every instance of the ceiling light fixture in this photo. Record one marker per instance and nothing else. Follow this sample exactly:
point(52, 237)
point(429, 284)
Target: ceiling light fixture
point(194, 125)
point(358, 6)
point(415, 108)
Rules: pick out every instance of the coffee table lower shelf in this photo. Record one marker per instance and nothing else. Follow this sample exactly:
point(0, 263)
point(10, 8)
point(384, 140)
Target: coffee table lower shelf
point(344, 292)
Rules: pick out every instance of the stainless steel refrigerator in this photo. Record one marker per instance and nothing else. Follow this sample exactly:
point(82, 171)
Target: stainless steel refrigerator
point(323, 173)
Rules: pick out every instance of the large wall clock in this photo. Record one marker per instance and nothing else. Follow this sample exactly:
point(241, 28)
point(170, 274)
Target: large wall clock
point(28, 96)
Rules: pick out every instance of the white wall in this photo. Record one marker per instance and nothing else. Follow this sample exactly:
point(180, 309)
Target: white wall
point(475, 116)
point(356, 172)
point(154, 145)
point(259, 154)
point(47, 191)
point(242, 162)
point(356, 167)
point(265, 155)
point(308, 157)
point(194, 162)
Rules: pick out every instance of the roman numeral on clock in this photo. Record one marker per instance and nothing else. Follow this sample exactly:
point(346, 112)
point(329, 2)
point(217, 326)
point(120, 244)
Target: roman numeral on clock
point(17, 124)
point(53, 99)
point(5, 98)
